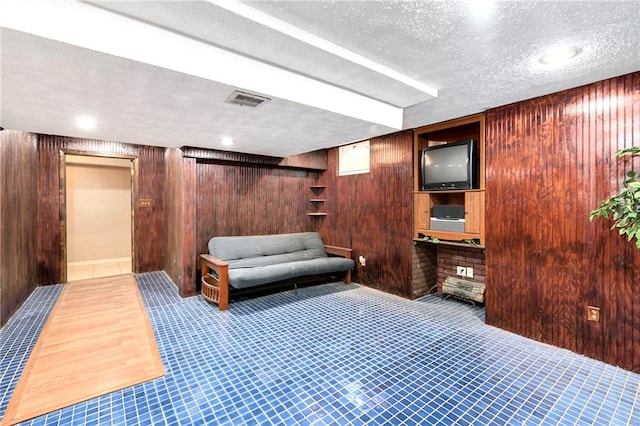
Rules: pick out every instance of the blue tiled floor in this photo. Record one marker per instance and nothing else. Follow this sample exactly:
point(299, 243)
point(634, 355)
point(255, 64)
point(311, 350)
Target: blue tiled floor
point(336, 355)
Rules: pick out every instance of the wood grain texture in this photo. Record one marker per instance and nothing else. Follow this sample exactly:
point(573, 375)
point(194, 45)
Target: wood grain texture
point(188, 230)
point(149, 221)
point(180, 217)
point(372, 213)
point(18, 162)
point(550, 161)
point(97, 339)
point(247, 200)
point(315, 160)
point(173, 262)
point(243, 199)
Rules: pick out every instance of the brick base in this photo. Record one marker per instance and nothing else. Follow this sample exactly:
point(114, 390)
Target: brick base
point(449, 257)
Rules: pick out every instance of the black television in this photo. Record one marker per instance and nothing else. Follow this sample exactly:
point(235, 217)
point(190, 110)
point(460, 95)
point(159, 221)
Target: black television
point(450, 166)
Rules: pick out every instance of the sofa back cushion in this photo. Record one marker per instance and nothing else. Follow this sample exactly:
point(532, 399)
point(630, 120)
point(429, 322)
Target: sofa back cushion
point(263, 250)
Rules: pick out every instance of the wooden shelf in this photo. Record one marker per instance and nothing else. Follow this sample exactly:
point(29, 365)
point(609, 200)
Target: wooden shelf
point(450, 243)
point(449, 191)
point(448, 235)
point(317, 191)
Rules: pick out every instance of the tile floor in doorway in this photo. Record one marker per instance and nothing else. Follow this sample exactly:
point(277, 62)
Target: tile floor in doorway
point(98, 269)
point(336, 355)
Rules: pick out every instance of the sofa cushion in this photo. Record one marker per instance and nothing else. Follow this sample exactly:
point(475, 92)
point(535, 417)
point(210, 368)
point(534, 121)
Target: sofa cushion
point(255, 262)
point(261, 259)
point(249, 277)
point(319, 266)
point(256, 246)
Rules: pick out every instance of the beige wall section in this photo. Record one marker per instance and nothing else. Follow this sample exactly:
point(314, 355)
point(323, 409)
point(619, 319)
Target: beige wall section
point(98, 198)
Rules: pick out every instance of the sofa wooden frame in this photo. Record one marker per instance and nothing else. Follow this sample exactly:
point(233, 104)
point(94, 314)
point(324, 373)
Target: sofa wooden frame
point(215, 286)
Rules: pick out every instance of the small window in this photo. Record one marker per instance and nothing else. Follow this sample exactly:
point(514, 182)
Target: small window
point(353, 159)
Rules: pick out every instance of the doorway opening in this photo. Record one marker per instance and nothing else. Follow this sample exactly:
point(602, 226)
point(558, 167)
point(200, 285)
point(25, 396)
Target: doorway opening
point(98, 204)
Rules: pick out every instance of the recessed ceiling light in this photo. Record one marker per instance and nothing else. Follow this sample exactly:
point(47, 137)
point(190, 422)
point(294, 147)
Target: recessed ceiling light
point(226, 140)
point(481, 9)
point(86, 122)
point(559, 55)
point(83, 26)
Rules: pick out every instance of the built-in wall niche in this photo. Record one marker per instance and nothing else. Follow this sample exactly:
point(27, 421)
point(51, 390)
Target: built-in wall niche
point(427, 226)
point(317, 200)
point(354, 159)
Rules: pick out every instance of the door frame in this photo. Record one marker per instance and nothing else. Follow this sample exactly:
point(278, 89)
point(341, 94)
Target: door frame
point(135, 187)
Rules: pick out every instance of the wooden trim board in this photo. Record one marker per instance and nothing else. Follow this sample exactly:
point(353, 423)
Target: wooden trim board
point(97, 339)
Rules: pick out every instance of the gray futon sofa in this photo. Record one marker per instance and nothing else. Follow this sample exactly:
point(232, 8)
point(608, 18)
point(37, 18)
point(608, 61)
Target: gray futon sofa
point(249, 261)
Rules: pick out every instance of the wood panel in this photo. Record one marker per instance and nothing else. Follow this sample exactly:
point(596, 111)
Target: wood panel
point(372, 213)
point(173, 264)
point(18, 161)
point(549, 162)
point(244, 199)
point(315, 160)
point(188, 232)
point(149, 221)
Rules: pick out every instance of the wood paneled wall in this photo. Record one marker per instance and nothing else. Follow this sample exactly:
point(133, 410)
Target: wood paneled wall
point(213, 192)
point(149, 221)
point(314, 160)
point(18, 162)
point(173, 264)
point(246, 200)
point(550, 160)
point(180, 257)
point(189, 229)
point(372, 213)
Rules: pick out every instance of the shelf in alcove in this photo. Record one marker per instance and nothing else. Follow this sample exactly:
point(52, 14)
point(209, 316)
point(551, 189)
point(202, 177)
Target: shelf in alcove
point(316, 214)
point(317, 200)
point(318, 186)
point(450, 243)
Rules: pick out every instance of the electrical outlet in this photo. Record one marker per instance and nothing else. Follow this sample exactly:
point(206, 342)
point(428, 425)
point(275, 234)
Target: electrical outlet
point(593, 313)
point(461, 271)
point(469, 272)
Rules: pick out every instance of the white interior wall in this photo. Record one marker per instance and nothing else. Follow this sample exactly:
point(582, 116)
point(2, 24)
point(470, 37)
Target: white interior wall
point(98, 200)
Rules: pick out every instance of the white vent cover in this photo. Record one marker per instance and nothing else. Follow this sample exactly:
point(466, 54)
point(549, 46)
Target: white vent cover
point(246, 99)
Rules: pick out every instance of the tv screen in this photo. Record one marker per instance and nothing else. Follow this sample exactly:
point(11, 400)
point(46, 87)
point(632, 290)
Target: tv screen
point(449, 166)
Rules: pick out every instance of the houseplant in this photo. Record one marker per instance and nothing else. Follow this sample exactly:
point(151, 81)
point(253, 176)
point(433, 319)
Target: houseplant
point(624, 207)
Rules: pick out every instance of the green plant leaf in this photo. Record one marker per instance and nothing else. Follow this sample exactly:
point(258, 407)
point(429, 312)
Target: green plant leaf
point(634, 150)
point(624, 207)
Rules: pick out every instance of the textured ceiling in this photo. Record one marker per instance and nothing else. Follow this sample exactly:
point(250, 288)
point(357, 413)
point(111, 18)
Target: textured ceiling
point(475, 60)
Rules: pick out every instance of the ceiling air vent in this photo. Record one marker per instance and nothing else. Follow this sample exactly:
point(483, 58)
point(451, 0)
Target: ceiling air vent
point(246, 99)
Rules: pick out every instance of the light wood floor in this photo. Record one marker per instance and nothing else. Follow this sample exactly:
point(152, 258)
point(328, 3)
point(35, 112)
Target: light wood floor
point(98, 339)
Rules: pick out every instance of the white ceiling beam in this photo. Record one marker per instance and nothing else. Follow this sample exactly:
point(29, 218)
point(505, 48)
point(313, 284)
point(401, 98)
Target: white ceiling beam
point(93, 28)
point(320, 43)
